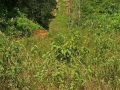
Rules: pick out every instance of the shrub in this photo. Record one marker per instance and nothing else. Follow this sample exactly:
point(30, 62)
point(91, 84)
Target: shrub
point(21, 26)
point(65, 48)
point(17, 24)
point(26, 26)
point(12, 65)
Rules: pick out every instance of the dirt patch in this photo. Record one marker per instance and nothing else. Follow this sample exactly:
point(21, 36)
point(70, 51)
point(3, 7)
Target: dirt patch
point(40, 33)
point(67, 6)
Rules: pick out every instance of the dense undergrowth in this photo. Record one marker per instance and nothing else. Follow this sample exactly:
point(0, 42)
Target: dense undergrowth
point(18, 26)
point(85, 57)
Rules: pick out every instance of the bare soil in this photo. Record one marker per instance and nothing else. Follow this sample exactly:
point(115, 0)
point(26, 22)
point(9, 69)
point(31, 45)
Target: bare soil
point(40, 33)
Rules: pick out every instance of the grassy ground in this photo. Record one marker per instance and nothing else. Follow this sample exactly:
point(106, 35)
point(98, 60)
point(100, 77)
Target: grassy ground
point(85, 58)
point(59, 24)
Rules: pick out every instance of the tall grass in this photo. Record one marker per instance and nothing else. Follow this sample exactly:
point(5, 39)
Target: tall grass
point(80, 58)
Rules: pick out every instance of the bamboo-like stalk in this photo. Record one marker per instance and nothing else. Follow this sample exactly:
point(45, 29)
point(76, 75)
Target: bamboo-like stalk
point(74, 14)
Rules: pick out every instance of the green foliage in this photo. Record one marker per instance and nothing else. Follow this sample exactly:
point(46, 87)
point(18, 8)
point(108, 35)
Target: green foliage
point(21, 26)
point(79, 58)
point(25, 26)
point(10, 64)
point(16, 24)
point(82, 10)
point(2, 11)
point(62, 50)
point(36, 10)
point(14, 61)
point(106, 22)
point(100, 6)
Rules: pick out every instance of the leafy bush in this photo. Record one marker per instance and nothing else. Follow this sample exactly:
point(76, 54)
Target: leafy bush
point(16, 24)
point(37, 10)
point(26, 26)
point(104, 22)
point(81, 10)
point(65, 49)
point(100, 6)
point(21, 26)
point(12, 65)
point(9, 64)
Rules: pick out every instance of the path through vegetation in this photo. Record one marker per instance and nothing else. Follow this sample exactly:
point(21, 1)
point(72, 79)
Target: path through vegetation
point(61, 12)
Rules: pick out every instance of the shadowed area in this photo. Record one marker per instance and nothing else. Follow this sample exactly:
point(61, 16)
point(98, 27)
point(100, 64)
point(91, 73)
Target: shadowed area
point(36, 10)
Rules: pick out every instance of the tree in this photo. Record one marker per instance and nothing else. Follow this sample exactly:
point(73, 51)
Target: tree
point(37, 10)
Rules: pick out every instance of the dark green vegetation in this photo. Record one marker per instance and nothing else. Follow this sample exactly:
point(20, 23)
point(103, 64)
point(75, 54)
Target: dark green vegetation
point(27, 11)
point(80, 52)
